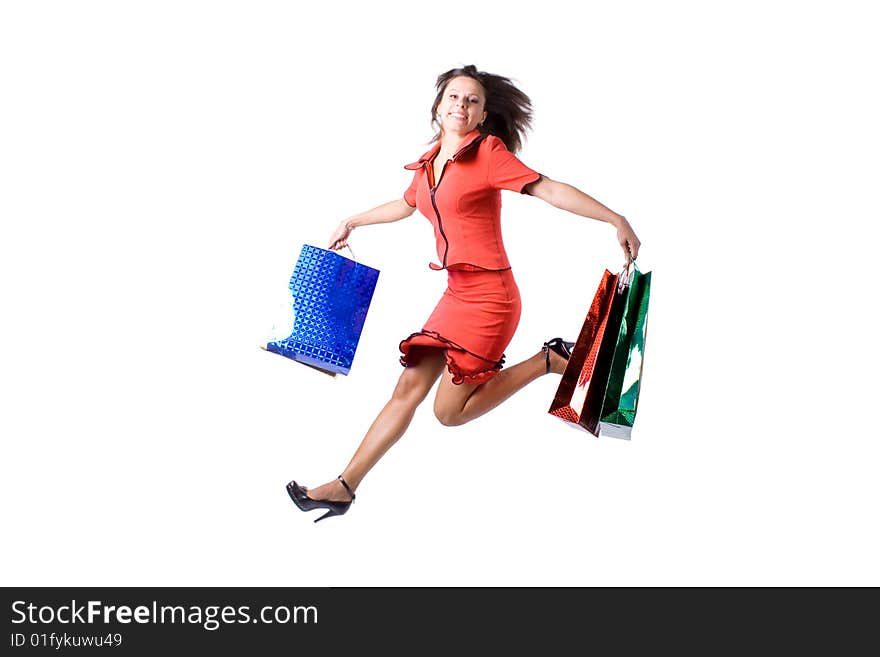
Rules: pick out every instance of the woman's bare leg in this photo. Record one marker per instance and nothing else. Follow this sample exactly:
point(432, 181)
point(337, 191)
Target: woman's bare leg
point(413, 386)
point(457, 404)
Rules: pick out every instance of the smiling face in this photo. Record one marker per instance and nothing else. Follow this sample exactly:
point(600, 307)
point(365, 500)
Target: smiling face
point(462, 106)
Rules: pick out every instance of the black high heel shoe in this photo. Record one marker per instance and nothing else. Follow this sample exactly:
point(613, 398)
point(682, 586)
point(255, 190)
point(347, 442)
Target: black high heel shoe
point(559, 346)
point(305, 503)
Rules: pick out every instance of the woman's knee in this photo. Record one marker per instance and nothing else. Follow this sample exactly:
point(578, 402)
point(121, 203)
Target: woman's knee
point(447, 415)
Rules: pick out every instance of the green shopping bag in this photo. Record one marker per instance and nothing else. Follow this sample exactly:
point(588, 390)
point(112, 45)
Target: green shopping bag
point(624, 380)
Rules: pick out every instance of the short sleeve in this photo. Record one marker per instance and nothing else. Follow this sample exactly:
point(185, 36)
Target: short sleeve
point(410, 194)
point(505, 169)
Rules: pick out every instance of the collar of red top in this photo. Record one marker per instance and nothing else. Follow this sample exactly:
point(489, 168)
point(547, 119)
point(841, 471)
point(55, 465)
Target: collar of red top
point(472, 139)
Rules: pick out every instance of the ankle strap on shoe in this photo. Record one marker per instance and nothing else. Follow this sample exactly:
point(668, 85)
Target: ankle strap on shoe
point(346, 486)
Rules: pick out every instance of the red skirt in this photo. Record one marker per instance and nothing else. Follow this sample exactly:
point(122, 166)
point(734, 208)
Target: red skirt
point(474, 322)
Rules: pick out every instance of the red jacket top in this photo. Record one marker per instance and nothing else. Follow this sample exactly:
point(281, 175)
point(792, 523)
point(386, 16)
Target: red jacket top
point(464, 206)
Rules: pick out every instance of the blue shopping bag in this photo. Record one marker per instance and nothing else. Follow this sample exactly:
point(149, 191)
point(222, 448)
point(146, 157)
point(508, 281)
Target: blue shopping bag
point(331, 297)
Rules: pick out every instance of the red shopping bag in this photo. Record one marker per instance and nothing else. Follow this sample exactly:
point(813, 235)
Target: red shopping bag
point(581, 391)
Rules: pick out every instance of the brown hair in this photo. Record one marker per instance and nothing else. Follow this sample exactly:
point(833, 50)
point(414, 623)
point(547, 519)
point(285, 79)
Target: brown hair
point(509, 110)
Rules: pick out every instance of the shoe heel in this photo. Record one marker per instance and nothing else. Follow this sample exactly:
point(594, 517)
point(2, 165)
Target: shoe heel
point(330, 512)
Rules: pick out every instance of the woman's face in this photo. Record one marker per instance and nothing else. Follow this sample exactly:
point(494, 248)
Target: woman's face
point(462, 106)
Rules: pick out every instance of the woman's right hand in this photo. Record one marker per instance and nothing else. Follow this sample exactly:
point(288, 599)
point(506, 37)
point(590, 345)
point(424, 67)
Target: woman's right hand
point(339, 238)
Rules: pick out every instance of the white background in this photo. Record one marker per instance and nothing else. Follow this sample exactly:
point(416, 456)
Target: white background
point(162, 163)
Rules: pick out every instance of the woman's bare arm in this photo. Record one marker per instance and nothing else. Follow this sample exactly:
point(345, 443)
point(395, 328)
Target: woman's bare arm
point(566, 197)
point(386, 213)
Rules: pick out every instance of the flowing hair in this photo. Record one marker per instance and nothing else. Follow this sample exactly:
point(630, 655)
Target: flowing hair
point(509, 110)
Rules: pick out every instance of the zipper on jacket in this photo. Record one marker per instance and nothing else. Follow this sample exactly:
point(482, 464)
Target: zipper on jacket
point(437, 184)
point(437, 212)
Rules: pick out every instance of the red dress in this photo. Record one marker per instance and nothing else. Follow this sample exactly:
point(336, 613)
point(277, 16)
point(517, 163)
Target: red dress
point(478, 313)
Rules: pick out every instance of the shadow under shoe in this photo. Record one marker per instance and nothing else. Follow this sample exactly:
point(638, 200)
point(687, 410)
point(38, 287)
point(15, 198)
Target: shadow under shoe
point(305, 503)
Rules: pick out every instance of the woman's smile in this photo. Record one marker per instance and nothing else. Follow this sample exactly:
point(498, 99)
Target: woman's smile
point(463, 105)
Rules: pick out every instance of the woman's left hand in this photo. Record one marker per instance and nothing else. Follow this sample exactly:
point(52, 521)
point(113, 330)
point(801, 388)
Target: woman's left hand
point(627, 239)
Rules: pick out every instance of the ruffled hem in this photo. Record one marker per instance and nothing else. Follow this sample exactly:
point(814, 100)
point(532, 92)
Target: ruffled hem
point(459, 376)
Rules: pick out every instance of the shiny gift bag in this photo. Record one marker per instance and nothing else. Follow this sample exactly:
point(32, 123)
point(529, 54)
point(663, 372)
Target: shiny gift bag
point(625, 377)
point(331, 297)
point(577, 380)
point(599, 388)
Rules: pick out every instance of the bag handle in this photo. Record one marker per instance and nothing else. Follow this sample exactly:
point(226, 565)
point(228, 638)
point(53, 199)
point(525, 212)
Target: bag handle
point(626, 273)
point(353, 257)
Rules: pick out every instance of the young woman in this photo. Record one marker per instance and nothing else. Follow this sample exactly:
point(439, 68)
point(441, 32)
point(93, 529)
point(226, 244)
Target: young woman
point(482, 120)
